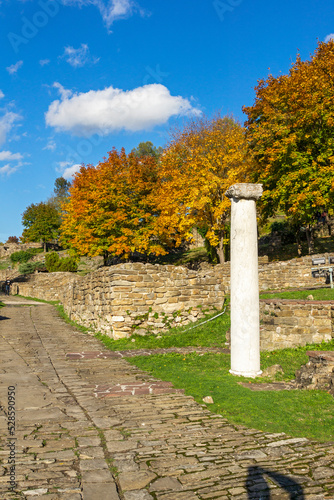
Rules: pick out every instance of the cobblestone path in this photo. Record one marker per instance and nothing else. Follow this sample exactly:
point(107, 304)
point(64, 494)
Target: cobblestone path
point(97, 428)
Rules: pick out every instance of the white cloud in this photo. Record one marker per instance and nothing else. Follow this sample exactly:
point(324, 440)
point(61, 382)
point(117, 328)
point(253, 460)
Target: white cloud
point(6, 123)
point(2, 95)
point(14, 67)
point(8, 169)
point(44, 62)
point(70, 171)
point(65, 94)
point(329, 37)
point(51, 145)
point(79, 57)
point(109, 110)
point(14, 162)
point(111, 10)
point(8, 156)
point(67, 169)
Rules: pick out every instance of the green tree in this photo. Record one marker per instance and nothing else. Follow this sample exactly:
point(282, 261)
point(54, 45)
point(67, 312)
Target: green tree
point(41, 222)
point(291, 138)
point(61, 193)
point(147, 149)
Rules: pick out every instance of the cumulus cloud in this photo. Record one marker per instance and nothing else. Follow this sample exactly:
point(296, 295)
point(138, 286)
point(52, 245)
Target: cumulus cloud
point(7, 121)
point(79, 57)
point(67, 169)
point(111, 109)
point(2, 95)
point(44, 62)
point(14, 162)
point(329, 37)
point(70, 171)
point(111, 10)
point(8, 156)
point(14, 67)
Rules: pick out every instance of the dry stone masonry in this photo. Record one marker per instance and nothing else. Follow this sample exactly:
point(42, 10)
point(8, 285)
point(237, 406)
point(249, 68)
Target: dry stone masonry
point(131, 297)
point(292, 323)
point(127, 297)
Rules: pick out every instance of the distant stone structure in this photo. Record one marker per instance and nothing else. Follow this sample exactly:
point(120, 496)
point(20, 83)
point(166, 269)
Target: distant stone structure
point(7, 249)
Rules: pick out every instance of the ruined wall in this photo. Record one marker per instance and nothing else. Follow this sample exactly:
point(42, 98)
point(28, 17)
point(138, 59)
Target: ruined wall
point(7, 249)
point(292, 323)
point(128, 297)
point(121, 298)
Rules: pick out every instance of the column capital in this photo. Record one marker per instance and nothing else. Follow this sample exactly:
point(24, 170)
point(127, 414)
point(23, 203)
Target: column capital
point(245, 191)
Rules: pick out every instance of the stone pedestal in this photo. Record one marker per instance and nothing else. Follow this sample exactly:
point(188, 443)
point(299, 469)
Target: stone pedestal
point(245, 321)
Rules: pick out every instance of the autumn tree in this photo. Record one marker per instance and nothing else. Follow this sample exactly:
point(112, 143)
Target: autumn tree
point(13, 239)
point(290, 132)
point(111, 209)
point(41, 222)
point(199, 165)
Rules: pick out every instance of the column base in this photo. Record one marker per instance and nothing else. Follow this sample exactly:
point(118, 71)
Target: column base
point(246, 374)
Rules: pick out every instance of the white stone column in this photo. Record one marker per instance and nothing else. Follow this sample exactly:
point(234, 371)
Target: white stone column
point(245, 316)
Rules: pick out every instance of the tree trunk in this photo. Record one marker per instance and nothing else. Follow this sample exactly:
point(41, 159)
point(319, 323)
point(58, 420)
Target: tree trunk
point(310, 239)
point(105, 258)
point(45, 246)
point(220, 251)
point(299, 243)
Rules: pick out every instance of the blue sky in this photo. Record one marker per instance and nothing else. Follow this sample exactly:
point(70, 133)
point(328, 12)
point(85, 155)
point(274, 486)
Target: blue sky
point(79, 77)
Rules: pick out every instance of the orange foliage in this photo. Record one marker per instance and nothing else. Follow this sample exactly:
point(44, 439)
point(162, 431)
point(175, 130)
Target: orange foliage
point(110, 209)
point(199, 165)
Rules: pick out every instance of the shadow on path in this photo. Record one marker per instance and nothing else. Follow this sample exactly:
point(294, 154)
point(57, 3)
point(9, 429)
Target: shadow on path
point(259, 489)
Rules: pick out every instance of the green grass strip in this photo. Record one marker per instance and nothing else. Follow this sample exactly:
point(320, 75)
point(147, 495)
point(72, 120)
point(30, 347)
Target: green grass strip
point(318, 294)
point(297, 413)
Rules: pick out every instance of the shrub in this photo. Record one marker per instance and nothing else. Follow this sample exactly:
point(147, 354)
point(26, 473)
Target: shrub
point(30, 267)
point(54, 263)
point(21, 256)
point(68, 264)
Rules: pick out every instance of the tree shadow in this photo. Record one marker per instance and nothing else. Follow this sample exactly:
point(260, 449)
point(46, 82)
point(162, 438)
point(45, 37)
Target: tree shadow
point(259, 489)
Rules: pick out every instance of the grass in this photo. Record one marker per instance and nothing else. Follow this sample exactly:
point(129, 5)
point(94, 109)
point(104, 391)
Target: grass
point(297, 413)
point(4, 263)
point(317, 293)
point(212, 334)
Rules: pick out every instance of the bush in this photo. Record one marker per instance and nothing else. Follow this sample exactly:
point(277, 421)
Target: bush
point(30, 267)
point(21, 256)
point(54, 263)
point(68, 264)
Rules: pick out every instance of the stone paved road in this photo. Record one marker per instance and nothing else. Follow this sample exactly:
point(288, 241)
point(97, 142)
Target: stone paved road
point(72, 443)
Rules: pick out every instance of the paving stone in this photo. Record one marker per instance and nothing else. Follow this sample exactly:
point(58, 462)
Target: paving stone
point(137, 495)
point(165, 442)
point(96, 491)
point(135, 480)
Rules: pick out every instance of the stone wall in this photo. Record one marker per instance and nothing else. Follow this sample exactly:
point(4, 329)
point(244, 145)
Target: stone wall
point(7, 249)
point(121, 298)
point(45, 286)
point(294, 273)
point(130, 297)
point(292, 323)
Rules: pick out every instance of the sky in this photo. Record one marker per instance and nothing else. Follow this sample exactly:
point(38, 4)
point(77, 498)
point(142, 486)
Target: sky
point(79, 77)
